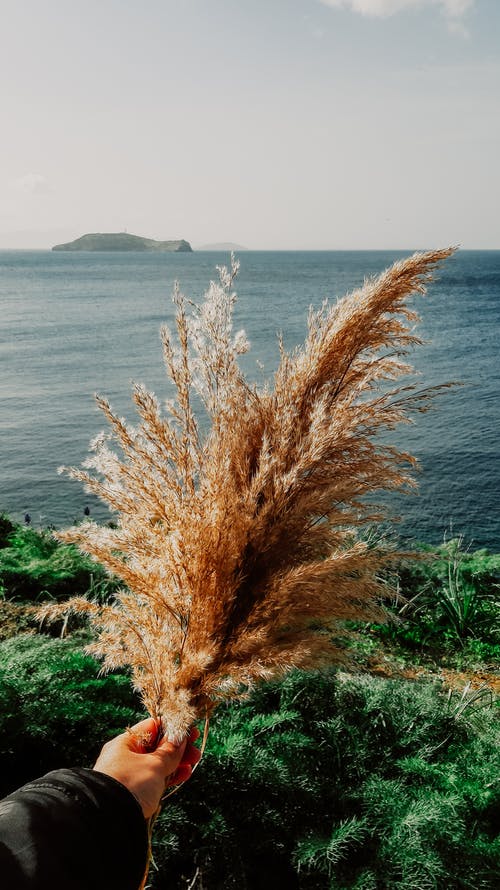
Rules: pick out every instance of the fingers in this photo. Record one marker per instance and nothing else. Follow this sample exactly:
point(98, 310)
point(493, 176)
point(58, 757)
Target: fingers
point(191, 756)
point(142, 737)
point(194, 734)
point(182, 774)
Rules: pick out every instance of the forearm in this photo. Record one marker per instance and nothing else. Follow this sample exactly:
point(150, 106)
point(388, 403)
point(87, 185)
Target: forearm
point(72, 830)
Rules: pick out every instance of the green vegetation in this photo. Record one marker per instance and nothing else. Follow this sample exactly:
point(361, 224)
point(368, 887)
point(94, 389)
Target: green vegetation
point(321, 781)
point(450, 604)
point(34, 566)
point(330, 781)
point(55, 710)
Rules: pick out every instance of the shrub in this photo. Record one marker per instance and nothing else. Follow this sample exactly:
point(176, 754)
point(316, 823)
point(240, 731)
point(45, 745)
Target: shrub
point(325, 781)
point(451, 597)
point(55, 710)
point(33, 565)
point(321, 781)
point(6, 529)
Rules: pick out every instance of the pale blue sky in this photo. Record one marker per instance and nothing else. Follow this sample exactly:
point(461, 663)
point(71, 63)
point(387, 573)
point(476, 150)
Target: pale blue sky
point(272, 123)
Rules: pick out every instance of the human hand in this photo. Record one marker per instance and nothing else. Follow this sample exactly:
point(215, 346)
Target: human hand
point(147, 769)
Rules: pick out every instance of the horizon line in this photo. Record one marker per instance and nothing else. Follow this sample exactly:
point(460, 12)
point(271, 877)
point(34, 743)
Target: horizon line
point(243, 249)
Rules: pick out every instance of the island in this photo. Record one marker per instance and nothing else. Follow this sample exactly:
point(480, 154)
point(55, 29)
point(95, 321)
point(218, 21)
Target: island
point(123, 241)
point(223, 245)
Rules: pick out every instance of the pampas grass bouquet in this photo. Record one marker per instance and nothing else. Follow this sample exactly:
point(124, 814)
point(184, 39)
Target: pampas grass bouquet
point(242, 550)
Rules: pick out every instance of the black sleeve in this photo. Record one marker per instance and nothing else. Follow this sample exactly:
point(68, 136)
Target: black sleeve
point(73, 829)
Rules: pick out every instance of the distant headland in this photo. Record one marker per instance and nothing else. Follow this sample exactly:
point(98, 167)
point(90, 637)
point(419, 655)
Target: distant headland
point(122, 241)
point(223, 245)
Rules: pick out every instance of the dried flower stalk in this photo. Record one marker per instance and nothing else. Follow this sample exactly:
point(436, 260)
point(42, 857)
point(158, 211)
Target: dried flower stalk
point(238, 549)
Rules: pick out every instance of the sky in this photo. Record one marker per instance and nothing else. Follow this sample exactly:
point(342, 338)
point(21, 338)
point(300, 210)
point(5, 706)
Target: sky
point(275, 124)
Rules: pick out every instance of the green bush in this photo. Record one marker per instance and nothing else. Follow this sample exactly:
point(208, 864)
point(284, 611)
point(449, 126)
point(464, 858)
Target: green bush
point(321, 781)
point(325, 782)
point(33, 565)
point(55, 710)
point(479, 652)
point(6, 529)
point(452, 597)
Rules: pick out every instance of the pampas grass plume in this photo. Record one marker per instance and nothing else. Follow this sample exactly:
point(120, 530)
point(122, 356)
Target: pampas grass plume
point(241, 550)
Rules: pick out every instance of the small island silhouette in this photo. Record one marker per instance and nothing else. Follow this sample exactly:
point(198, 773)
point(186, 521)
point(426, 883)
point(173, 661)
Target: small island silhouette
point(222, 245)
point(123, 241)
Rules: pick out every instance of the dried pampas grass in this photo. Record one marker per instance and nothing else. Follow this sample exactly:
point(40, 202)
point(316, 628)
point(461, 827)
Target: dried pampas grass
point(238, 549)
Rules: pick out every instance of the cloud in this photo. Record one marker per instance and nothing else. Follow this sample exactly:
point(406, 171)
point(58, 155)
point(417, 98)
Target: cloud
point(31, 184)
point(453, 10)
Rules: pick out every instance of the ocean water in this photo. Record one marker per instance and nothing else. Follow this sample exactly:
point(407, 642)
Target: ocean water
point(76, 324)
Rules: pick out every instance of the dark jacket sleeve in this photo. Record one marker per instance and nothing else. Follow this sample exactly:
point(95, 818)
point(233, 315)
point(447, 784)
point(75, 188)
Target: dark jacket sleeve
point(72, 829)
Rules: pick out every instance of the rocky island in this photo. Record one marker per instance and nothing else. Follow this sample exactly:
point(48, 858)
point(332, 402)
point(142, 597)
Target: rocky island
point(223, 245)
point(122, 241)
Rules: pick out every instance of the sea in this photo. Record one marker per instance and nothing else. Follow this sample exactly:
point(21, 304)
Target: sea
point(76, 324)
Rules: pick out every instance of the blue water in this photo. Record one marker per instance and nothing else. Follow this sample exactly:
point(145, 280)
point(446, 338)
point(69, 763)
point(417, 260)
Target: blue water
point(75, 324)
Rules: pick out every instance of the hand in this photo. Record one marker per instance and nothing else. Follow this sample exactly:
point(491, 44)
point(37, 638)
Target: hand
point(145, 769)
